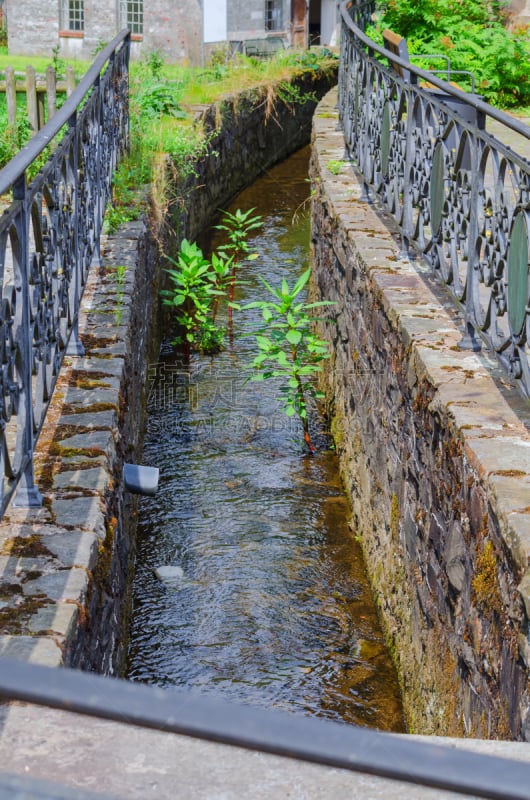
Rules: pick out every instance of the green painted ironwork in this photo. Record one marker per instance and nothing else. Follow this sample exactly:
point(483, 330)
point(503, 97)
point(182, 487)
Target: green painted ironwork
point(518, 273)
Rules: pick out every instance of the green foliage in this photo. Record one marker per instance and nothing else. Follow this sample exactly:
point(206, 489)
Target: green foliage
point(186, 147)
point(13, 138)
point(153, 95)
point(58, 63)
point(191, 296)
point(473, 35)
point(126, 206)
point(99, 46)
point(222, 268)
point(335, 167)
point(155, 99)
point(238, 226)
point(199, 284)
point(155, 64)
point(292, 95)
point(288, 349)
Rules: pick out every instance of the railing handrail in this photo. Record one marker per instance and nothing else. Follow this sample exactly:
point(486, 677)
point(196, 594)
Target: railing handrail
point(472, 100)
point(32, 150)
point(311, 739)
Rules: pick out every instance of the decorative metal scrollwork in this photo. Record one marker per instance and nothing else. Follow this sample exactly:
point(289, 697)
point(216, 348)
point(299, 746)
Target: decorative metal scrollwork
point(460, 196)
point(48, 237)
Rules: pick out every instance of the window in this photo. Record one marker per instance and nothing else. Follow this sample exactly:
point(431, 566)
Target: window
point(132, 15)
point(273, 15)
point(72, 15)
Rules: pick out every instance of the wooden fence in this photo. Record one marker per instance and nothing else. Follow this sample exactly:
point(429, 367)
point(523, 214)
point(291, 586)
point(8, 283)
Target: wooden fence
point(41, 94)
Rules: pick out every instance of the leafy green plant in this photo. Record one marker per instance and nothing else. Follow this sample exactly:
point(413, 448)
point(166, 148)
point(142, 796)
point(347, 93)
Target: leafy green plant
point(155, 64)
point(125, 205)
point(335, 166)
point(155, 99)
point(293, 95)
point(473, 35)
point(13, 138)
point(289, 351)
point(238, 227)
point(222, 268)
point(58, 63)
point(191, 296)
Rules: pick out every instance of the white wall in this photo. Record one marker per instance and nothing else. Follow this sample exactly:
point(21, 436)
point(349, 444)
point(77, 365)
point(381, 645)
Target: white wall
point(328, 23)
point(215, 20)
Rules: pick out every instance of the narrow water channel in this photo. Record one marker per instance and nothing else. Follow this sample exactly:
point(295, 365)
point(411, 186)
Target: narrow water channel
point(272, 606)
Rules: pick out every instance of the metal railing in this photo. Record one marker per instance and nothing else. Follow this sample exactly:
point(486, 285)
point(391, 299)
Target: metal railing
point(49, 232)
point(308, 739)
point(460, 196)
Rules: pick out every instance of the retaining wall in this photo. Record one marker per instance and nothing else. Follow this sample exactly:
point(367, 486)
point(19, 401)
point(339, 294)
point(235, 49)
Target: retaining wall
point(435, 456)
point(65, 569)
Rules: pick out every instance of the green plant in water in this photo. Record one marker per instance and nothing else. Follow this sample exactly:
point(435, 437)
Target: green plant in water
point(289, 351)
point(221, 266)
point(192, 294)
point(238, 226)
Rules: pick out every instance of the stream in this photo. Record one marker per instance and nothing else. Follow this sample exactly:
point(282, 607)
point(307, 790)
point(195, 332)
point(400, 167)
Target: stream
point(267, 602)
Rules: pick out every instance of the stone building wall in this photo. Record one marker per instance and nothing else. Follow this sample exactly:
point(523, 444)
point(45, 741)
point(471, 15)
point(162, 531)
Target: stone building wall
point(435, 455)
point(172, 27)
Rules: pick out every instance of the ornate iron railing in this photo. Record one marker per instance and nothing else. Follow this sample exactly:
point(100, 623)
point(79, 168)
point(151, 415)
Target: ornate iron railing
point(460, 196)
point(49, 234)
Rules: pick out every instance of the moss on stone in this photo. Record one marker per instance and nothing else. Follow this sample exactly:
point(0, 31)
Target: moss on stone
point(485, 581)
point(394, 517)
point(26, 547)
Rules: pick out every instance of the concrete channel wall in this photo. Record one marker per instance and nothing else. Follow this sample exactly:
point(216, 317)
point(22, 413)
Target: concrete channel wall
point(65, 569)
point(435, 455)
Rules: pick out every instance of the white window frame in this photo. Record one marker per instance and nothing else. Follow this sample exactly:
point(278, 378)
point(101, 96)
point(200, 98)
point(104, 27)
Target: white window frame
point(72, 15)
point(273, 15)
point(132, 16)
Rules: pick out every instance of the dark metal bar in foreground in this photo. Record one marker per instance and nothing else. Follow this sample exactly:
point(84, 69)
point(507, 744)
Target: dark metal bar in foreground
point(308, 739)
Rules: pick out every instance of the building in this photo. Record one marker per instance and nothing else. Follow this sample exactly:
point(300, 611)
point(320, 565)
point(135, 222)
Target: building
point(178, 29)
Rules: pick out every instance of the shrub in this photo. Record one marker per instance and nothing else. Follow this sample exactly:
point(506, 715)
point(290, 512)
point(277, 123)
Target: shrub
point(473, 35)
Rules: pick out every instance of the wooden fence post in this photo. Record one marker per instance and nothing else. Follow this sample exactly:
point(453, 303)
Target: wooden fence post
point(70, 80)
point(51, 91)
point(31, 94)
point(11, 97)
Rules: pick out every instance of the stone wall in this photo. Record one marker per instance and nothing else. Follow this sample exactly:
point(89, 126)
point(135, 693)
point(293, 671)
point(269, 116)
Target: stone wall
point(435, 456)
point(65, 568)
point(173, 28)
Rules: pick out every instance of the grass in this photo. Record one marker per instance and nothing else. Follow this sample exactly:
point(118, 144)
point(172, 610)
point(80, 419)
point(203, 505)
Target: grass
point(163, 101)
point(41, 63)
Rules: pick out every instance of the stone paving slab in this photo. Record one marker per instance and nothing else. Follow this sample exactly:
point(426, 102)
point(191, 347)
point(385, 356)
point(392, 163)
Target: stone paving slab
point(123, 761)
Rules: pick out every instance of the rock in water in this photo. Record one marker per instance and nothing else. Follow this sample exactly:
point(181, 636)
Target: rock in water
point(169, 574)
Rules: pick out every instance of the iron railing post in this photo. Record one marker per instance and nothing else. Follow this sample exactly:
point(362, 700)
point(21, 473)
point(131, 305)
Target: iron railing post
point(27, 494)
point(75, 346)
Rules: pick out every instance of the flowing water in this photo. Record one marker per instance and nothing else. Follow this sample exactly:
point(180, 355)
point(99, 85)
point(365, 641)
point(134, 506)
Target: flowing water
point(267, 602)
